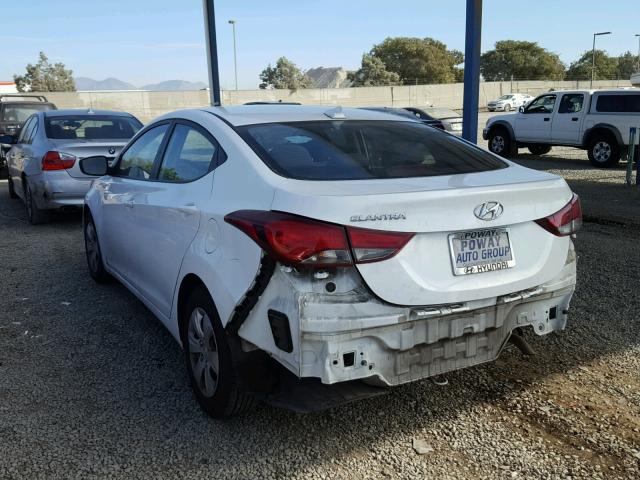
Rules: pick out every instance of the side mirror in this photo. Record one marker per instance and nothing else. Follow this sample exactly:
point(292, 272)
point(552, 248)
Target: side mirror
point(97, 166)
point(8, 139)
point(521, 109)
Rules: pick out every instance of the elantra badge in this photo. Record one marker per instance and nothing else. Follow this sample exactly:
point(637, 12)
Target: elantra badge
point(488, 211)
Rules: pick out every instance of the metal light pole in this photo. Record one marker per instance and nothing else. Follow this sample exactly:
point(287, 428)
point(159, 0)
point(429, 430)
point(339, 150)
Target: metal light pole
point(472, 71)
point(638, 35)
point(212, 50)
point(235, 61)
point(593, 56)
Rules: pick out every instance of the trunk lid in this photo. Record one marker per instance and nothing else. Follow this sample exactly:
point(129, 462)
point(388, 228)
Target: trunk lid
point(83, 149)
point(422, 273)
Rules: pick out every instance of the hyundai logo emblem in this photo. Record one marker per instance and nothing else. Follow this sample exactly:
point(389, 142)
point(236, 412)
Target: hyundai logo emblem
point(112, 150)
point(488, 211)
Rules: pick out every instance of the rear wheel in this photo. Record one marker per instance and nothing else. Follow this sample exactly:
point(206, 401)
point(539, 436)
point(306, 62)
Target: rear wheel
point(500, 143)
point(539, 149)
point(603, 151)
point(12, 189)
point(93, 252)
point(35, 215)
point(208, 358)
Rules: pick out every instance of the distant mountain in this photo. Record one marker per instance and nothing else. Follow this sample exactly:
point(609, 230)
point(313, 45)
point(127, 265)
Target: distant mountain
point(89, 84)
point(84, 83)
point(173, 85)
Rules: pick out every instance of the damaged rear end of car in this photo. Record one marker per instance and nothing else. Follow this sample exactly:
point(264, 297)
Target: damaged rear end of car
point(397, 254)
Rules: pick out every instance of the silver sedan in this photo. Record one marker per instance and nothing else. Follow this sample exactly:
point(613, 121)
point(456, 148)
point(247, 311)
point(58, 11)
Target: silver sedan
point(43, 164)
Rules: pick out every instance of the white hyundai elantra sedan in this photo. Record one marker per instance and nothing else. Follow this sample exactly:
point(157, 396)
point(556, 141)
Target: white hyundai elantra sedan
point(344, 246)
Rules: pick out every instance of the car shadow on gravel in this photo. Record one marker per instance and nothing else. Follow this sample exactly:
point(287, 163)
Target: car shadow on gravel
point(93, 380)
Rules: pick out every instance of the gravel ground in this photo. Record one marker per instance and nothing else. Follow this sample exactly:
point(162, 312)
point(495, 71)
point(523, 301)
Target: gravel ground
point(91, 386)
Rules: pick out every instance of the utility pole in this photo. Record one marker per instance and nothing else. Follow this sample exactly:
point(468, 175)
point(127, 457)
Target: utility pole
point(235, 58)
point(593, 56)
point(472, 71)
point(638, 35)
point(212, 51)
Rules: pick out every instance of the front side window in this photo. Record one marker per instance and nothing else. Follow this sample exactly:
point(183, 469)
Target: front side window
point(359, 150)
point(571, 103)
point(189, 155)
point(137, 161)
point(91, 127)
point(542, 104)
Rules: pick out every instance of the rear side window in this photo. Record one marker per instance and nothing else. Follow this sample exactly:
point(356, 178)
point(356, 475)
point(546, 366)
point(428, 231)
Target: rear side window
point(571, 103)
point(91, 127)
point(619, 103)
point(189, 155)
point(358, 150)
point(137, 161)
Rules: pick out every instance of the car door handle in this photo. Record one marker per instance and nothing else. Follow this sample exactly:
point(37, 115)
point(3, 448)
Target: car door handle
point(574, 119)
point(546, 119)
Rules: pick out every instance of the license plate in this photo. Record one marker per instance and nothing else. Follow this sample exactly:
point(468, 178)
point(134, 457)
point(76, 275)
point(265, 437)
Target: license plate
point(480, 251)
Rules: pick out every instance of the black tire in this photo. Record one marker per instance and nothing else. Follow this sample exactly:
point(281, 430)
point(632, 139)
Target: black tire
point(539, 149)
point(501, 143)
point(12, 189)
point(93, 252)
point(225, 399)
point(603, 151)
point(507, 107)
point(35, 215)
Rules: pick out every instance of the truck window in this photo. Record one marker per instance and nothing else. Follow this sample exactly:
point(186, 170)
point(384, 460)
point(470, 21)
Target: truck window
point(618, 103)
point(571, 103)
point(542, 104)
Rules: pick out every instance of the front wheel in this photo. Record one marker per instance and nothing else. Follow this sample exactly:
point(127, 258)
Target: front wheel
point(507, 107)
point(208, 358)
point(604, 151)
point(539, 149)
point(12, 188)
point(93, 253)
point(500, 143)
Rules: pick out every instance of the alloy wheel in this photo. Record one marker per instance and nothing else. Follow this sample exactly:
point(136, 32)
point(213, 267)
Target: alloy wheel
point(203, 352)
point(497, 144)
point(602, 151)
point(93, 252)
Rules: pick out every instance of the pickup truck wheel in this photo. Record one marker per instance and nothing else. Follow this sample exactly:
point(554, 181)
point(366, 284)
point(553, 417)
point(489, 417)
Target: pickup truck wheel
point(539, 149)
point(208, 358)
point(500, 143)
point(12, 189)
point(604, 151)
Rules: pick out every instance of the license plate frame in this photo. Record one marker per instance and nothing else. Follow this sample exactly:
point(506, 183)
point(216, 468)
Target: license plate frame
point(482, 265)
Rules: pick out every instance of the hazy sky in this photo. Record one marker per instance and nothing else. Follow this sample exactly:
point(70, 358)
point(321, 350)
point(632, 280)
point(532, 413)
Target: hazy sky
point(147, 41)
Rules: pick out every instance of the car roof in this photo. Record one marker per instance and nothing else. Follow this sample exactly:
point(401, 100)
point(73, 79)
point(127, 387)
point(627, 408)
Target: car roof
point(251, 114)
point(84, 111)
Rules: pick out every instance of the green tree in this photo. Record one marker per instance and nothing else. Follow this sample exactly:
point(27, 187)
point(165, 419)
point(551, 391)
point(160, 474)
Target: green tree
point(373, 73)
point(284, 75)
point(627, 65)
point(523, 60)
point(423, 60)
point(45, 77)
point(606, 67)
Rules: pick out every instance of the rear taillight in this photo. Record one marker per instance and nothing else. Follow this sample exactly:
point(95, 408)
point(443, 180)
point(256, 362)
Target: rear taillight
point(296, 240)
point(565, 221)
point(53, 160)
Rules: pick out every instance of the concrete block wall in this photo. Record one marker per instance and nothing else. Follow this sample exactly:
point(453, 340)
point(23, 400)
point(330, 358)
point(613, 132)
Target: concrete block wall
point(147, 105)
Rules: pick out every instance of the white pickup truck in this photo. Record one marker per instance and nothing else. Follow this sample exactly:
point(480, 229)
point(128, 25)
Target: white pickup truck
point(595, 120)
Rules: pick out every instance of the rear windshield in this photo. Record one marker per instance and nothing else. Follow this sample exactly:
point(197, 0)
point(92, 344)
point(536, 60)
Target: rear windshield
point(20, 113)
point(358, 150)
point(90, 127)
point(618, 103)
point(441, 113)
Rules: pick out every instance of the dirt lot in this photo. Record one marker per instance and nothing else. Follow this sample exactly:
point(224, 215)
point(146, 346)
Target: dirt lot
point(92, 386)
